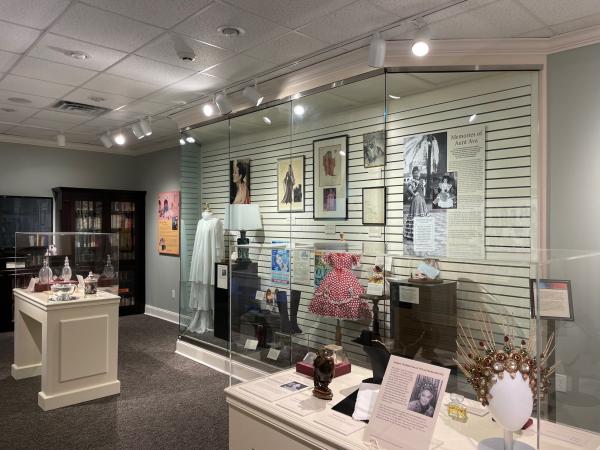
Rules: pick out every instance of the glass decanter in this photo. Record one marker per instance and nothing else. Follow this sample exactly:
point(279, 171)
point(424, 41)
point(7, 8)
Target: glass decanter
point(67, 273)
point(109, 270)
point(45, 274)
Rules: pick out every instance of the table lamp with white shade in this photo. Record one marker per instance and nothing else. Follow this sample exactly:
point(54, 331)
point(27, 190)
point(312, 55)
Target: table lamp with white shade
point(243, 218)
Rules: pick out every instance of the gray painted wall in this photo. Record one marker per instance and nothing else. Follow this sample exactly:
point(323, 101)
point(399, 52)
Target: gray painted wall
point(30, 170)
point(159, 172)
point(574, 221)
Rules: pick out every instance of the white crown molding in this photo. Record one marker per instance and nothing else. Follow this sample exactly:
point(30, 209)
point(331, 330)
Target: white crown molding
point(51, 143)
point(574, 39)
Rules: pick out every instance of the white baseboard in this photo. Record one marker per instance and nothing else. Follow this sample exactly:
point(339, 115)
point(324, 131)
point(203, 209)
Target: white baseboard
point(217, 362)
point(163, 314)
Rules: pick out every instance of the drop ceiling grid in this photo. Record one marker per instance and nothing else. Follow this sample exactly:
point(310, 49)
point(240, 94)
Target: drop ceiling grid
point(133, 62)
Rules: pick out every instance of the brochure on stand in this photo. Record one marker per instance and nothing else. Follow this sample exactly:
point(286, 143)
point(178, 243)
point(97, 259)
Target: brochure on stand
point(408, 404)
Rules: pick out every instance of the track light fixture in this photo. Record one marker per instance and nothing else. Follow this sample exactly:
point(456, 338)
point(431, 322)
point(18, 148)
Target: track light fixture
point(145, 127)
point(181, 141)
point(252, 94)
point(119, 138)
point(61, 140)
point(377, 51)
point(190, 140)
point(208, 109)
point(223, 103)
point(137, 131)
point(420, 45)
point(105, 139)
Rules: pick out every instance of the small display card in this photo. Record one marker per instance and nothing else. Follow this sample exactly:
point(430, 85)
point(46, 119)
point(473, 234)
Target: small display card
point(338, 422)
point(260, 295)
point(303, 404)
point(222, 276)
point(273, 354)
point(330, 229)
point(251, 344)
point(409, 294)
point(375, 232)
point(375, 289)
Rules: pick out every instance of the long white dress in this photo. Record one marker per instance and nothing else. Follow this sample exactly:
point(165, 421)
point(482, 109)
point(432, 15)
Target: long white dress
point(208, 250)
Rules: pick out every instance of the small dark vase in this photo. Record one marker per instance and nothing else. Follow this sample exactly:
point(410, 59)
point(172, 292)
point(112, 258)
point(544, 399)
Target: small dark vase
point(323, 374)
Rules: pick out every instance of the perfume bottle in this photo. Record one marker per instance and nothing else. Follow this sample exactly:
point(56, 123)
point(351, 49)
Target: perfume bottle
point(456, 409)
point(45, 273)
point(66, 270)
point(109, 270)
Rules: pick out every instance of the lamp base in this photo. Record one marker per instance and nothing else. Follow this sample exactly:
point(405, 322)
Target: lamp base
point(243, 252)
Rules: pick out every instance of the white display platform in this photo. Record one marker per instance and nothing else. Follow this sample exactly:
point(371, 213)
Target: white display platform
point(259, 424)
point(73, 345)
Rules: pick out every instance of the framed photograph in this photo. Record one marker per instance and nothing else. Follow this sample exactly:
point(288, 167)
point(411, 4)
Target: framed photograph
point(290, 184)
point(374, 149)
point(168, 223)
point(555, 302)
point(239, 181)
point(330, 172)
point(373, 206)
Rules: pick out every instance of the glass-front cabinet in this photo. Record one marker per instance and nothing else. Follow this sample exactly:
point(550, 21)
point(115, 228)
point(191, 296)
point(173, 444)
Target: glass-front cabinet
point(393, 215)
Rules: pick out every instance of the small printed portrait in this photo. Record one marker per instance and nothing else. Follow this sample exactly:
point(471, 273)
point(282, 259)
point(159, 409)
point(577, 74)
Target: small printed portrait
point(294, 386)
point(166, 214)
point(175, 223)
point(162, 244)
point(223, 271)
point(374, 149)
point(425, 394)
point(329, 199)
point(239, 182)
point(280, 261)
point(269, 296)
point(444, 191)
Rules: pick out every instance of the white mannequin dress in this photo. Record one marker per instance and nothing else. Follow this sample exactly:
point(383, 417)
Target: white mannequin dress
point(208, 250)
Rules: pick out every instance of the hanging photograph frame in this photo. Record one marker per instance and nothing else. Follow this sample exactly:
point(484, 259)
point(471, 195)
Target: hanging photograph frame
point(330, 178)
point(374, 206)
point(290, 186)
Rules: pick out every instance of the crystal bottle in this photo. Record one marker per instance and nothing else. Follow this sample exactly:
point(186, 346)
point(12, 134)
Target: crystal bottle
point(66, 270)
point(45, 273)
point(109, 270)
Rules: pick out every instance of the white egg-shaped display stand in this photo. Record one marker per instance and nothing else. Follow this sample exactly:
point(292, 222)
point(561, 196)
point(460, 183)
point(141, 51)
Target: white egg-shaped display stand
point(511, 404)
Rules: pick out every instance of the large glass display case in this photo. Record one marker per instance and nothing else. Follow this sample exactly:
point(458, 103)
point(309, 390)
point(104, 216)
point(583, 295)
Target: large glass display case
point(56, 258)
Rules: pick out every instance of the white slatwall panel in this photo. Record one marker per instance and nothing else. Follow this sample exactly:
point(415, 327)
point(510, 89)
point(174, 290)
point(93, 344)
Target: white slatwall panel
point(505, 103)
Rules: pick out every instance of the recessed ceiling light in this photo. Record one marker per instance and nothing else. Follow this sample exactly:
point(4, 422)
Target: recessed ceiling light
point(181, 141)
point(190, 139)
point(19, 100)
point(231, 31)
point(97, 99)
point(78, 55)
point(208, 110)
point(394, 97)
point(267, 120)
point(8, 110)
point(299, 110)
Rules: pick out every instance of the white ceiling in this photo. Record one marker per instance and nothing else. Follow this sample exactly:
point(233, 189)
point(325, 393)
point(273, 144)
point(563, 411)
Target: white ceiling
point(134, 70)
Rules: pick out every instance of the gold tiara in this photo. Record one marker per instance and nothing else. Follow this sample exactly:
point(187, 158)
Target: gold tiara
point(483, 362)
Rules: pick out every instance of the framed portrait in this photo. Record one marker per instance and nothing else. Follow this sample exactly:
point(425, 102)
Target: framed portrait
point(330, 184)
point(239, 181)
point(555, 301)
point(374, 149)
point(290, 184)
point(373, 206)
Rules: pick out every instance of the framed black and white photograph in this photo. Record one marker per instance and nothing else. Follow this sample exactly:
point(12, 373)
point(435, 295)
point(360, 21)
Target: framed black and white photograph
point(239, 181)
point(374, 149)
point(290, 184)
point(330, 171)
point(425, 395)
point(373, 206)
point(555, 301)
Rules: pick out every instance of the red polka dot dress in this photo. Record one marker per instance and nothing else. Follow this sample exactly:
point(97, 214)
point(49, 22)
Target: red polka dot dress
point(339, 294)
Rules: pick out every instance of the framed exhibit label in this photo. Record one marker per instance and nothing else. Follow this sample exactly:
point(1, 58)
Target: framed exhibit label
point(239, 181)
point(555, 301)
point(373, 206)
point(168, 223)
point(290, 184)
point(330, 178)
point(374, 149)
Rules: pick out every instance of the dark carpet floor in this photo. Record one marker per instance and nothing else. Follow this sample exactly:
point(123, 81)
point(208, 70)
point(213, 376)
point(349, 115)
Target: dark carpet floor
point(166, 400)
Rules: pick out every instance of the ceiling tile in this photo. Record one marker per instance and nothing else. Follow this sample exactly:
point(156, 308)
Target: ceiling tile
point(103, 99)
point(557, 11)
point(204, 26)
point(500, 19)
point(286, 48)
point(157, 12)
point(543, 32)
point(4, 128)
point(163, 49)
point(144, 107)
point(7, 60)
point(51, 71)
point(409, 8)
point(57, 48)
point(124, 116)
point(35, 133)
point(36, 87)
point(239, 67)
point(32, 13)
point(191, 88)
point(20, 112)
point(58, 116)
point(15, 38)
point(118, 85)
point(143, 69)
point(86, 129)
point(359, 18)
point(456, 10)
point(13, 98)
point(578, 24)
point(290, 13)
point(54, 124)
point(104, 28)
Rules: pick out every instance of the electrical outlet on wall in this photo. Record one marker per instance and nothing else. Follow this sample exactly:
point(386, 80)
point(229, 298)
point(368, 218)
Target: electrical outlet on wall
point(173, 292)
point(561, 382)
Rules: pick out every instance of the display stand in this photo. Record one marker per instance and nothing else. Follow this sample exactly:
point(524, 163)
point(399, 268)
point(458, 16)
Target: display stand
point(506, 443)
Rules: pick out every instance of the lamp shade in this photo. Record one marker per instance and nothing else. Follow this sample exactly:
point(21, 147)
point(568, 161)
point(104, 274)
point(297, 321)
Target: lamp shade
point(243, 217)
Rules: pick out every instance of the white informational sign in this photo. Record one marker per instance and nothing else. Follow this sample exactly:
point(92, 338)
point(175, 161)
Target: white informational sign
point(260, 295)
point(303, 404)
point(276, 388)
point(330, 229)
point(408, 405)
point(251, 344)
point(222, 276)
point(409, 294)
point(424, 234)
point(273, 354)
point(339, 422)
point(375, 289)
point(301, 263)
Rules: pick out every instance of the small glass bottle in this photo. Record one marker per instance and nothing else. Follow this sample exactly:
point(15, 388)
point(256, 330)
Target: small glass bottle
point(45, 273)
point(456, 409)
point(109, 270)
point(67, 273)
